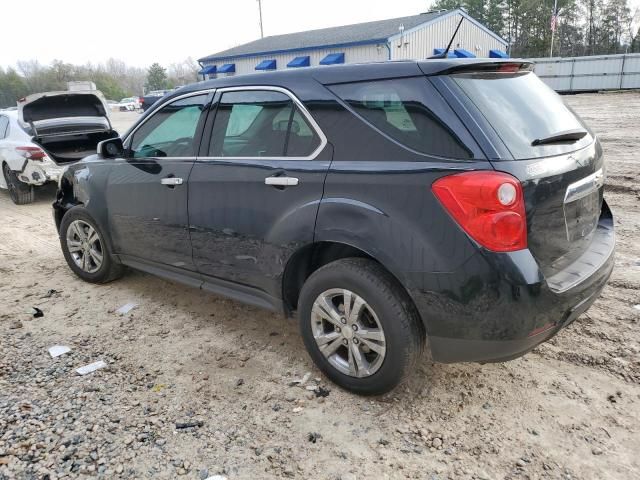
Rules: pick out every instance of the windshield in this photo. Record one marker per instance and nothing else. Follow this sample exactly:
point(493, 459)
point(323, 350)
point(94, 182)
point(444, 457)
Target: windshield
point(524, 111)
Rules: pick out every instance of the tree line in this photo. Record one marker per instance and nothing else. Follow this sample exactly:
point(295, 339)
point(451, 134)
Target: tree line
point(583, 27)
point(114, 78)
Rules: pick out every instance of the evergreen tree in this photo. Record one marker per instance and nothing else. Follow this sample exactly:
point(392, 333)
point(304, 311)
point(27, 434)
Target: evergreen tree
point(156, 77)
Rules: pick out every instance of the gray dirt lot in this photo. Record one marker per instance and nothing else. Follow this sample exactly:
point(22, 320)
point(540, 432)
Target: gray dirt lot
point(569, 409)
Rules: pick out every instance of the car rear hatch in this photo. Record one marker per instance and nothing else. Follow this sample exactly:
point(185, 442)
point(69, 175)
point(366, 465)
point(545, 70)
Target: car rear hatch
point(68, 125)
point(538, 139)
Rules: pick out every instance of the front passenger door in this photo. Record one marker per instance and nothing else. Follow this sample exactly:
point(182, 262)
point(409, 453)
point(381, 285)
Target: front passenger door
point(147, 191)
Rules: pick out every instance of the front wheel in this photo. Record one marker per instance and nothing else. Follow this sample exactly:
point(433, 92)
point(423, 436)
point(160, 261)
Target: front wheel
point(85, 248)
point(19, 192)
point(359, 326)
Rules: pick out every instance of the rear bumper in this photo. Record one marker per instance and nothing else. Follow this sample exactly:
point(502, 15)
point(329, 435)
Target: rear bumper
point(37, 173)
point(500, 306)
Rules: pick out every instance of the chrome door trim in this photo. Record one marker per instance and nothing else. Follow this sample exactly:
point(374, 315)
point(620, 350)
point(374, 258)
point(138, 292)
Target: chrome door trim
point(584, 187)
point(301, 107)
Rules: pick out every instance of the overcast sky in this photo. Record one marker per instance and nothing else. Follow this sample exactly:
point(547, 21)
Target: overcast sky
point(141, 32)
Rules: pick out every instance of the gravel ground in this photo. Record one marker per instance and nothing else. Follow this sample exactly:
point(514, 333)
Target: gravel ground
point(197, 385)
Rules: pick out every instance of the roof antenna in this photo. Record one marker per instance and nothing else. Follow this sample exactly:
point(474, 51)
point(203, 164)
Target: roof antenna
point(446, 51)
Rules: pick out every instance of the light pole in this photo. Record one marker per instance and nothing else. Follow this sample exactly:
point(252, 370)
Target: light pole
point(260, 10)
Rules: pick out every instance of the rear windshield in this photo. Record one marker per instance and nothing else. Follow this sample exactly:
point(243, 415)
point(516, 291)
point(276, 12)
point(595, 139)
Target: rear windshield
point(522, 109)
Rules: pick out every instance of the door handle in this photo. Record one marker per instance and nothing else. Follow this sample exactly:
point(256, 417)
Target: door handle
point(281, 181)
point(171, 181)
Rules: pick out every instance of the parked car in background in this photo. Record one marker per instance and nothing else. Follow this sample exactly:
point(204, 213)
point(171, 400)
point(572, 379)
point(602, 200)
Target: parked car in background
point(47, 132)
point(455, 205)
point(129, 104)
point(152, 97)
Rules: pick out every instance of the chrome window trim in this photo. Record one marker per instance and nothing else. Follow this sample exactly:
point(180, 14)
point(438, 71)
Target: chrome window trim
point(162, 105)
point(301, 107)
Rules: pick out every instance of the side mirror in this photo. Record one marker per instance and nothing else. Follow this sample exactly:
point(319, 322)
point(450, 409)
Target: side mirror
point(112, 148)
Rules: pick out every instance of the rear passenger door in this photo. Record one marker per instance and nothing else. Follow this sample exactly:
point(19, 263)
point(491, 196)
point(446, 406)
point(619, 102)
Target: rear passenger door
point(254, 191)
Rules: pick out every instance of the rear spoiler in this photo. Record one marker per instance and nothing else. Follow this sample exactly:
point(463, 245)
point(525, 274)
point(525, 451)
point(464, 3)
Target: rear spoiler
point(436, 67)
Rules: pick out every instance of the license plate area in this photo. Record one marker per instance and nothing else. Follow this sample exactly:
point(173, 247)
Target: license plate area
point(581, 216)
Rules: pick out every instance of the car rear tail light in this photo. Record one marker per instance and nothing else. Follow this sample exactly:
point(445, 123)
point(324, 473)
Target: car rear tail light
point(489, 206)
point(31, 153)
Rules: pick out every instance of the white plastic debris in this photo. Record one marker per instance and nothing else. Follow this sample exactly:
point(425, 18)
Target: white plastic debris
point(126, 308)
point(216, 477)
point(58, 350)
point(92, 367)
point(637, 307)
point(300, 381)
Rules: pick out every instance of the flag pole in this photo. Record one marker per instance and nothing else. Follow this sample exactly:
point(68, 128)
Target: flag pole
point(554, 22)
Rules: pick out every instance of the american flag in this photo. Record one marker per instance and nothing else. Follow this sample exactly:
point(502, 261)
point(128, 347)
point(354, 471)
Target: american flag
point(554, 19)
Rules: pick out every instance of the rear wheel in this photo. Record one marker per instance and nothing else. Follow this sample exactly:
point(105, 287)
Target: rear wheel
point(85, 248)
point(359, 326)
point(20, 192)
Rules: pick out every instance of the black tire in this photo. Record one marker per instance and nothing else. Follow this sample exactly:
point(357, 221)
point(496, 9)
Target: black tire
point(404, 335)
point(19, 192)
point(109, 269)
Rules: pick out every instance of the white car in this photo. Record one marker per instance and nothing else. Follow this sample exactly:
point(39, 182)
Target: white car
point(129, 104)
point(47, 132)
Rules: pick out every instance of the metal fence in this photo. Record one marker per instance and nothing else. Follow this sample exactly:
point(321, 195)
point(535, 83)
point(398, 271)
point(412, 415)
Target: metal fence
point(598, 72)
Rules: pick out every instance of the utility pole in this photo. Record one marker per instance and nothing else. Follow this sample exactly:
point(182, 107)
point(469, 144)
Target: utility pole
point(260, 10)
point(554, 25)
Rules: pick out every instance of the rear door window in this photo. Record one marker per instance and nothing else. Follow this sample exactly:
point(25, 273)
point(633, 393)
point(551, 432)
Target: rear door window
point(522, 109)
point(411, 112)
point(170, 132)
point(260, 123)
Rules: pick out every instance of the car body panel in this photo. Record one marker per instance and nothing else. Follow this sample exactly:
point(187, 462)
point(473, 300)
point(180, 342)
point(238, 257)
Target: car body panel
point(245, 231)
point(147, 219)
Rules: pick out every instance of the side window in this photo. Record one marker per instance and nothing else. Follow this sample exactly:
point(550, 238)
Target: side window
point(170, 131)
point(411, 112)
point(260, 123)
point(4, 126)
point(303, 140)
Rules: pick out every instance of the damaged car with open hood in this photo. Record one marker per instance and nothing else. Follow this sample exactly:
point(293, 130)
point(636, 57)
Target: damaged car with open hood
point(48, 132)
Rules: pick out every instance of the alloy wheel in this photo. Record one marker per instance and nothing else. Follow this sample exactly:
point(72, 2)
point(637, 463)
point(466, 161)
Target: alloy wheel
point(85, 246)
point(348, 332)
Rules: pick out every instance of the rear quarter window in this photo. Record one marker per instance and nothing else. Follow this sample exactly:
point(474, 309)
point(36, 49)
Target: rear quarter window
point(411, 112)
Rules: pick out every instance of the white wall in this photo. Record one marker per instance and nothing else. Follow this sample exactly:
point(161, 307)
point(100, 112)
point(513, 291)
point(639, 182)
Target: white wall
point(419, 43)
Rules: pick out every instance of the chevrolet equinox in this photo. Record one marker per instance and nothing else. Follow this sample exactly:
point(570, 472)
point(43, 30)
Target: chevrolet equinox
point(448, 206)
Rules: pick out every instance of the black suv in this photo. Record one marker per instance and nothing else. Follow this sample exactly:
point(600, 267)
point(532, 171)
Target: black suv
point(449, 205)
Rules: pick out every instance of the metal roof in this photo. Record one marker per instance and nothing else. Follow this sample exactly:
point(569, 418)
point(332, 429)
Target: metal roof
point(359, 33)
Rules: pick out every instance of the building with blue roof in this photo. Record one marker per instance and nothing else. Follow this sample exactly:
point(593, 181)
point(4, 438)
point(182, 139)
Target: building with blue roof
point(414, 37)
